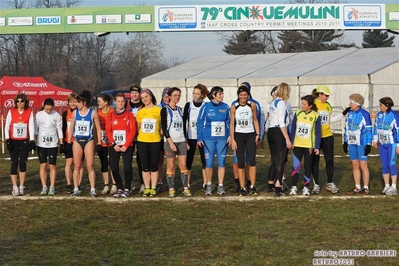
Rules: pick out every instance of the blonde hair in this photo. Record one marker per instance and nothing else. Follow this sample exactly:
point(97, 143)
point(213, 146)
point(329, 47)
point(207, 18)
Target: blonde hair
point(283, 91)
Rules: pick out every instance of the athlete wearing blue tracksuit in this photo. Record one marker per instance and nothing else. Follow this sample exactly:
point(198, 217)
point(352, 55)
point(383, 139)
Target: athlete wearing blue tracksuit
point(213, 130)
point(386, 139)
point(357, 140)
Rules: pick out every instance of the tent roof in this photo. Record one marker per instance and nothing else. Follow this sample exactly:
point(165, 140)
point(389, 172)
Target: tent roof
point(268, 69)
point(29, 84)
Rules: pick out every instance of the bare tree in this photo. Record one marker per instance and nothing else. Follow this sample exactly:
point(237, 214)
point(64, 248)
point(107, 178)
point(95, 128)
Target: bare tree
point(139, 57)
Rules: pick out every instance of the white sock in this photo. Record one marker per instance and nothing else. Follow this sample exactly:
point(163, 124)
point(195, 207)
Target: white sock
point(366, 187)
point(394, 186)
point(358, 186)
point(386, 185)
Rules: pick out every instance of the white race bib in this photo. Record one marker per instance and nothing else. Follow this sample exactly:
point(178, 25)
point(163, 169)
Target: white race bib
point(148, 125)
point(20, 130)
point(82, 128)
point(120, 137)
point(217, 129)
point(303, 130)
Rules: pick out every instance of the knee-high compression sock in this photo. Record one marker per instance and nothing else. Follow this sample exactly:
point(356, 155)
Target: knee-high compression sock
point(170, 179)
point(184, 177)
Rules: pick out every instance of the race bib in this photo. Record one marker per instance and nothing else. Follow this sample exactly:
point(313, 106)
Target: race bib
point(243, 123)
point(193, 124)
point(353, 137)
point(82, 128)
point(120, 137)
point(148, 125)
point(303, 130)
point(104, 136)
point(20, 130)
point(383, 136)
point(217, 129)
point(324, 117)
point(48, 140)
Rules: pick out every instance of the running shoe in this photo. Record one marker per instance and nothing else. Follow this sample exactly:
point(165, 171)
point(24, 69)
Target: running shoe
point(305, 191)
point(391, 191)
point(113, 190)
point(253, 191)
point(365, 192)
point(187, 193)
point(221, 190)
point(236, 187)
point(105, 190)
point(142, 189)
point(159, 187)
point(93, 193)
point(270, 188)
point(208, 190)
point(21, 190)
point(44, 191)
point(280, 194)
point(51, 191)
point(118, 194)
point(75, 193)
point(316, 189)
point(332, 188)
point(172, 193)
point(204, 187)
point(294, 191)
point(126, 193)
point(248, 185)
point(354, 191)
point(153, 192)
point(242, 192)
point(284, 185)
point(146, 192)
point(15, 191)
point(69, 189)
point(384, 192)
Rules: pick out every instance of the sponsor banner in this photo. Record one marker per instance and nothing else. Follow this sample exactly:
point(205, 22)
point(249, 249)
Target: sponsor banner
point(77, 20)
point(29, 85)
point(20, 21)
point(2, 22)
point(138, 18)
point(363, 16)
point(80, 20)
point(268, 17)
point(392, 16)
point(172, 18)
point(109, 19)
point(56, 20)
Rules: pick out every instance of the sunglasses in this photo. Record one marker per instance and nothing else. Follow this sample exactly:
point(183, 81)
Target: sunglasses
point(20, 101)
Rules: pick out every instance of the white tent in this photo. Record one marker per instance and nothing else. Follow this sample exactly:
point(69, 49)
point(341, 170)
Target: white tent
point(372, 72)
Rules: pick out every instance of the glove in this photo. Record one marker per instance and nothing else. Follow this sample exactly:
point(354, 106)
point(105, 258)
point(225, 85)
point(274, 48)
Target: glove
point(10, 146)
point(68, 147)
point(367, 150)
point(99, 148)
point(345, 147)
point(32, 145)
point(62, 148)
point(346, 110)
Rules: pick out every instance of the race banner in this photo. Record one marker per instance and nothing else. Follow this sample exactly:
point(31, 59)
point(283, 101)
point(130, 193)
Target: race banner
point(270, 17)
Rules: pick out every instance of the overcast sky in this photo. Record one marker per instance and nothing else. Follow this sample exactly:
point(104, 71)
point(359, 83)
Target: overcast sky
point(189, 45)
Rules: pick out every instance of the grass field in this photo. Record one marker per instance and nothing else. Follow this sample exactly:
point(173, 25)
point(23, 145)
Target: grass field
point(212, 230)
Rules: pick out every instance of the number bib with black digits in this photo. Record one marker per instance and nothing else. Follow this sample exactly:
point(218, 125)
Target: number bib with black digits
point(82, 128)
point(217, 129)
point(353, 137)
point(303, 130)
point(120, 137)
point(324, 117)
point(148, 125)
point(383, 136)
point(20, 130)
